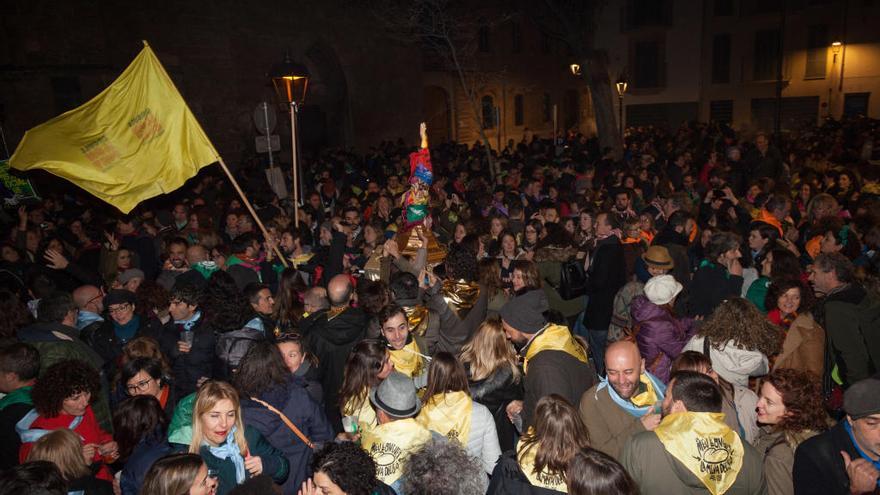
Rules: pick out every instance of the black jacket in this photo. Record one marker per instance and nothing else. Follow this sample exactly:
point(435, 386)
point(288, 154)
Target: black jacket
point(508, 479)
point(186, 369)
point(605, 276)
point(818, 466)
point(554, 372)
point(9, 439)
point(711, 285)
point(331, 341)
point(109, 346)
point(495, 392)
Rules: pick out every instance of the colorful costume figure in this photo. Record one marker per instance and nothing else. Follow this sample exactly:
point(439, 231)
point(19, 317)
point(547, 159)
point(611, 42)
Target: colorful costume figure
point(415, 203)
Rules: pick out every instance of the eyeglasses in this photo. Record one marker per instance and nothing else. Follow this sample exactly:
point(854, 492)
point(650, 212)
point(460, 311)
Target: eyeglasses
point(140, 386)
point(289, 337)
point(119, 308)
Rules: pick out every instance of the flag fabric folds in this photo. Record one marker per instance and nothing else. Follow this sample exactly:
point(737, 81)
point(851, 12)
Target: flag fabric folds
point(135, 140)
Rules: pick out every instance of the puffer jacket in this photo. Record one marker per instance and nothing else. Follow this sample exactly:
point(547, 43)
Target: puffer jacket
point(660, 335)
point(732, 363)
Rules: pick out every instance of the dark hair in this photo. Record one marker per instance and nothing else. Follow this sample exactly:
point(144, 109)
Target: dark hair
point(22, 359)
point(258, 485)
point(176, 240)
point(150, 366)
point(442, 467)
point(445, 374)
point(591, 472)
point(364, 362)
point(404, 285)
point(137, 418)
point(55, 307)
point(461, 264)
point(389, 312)
point(785, 264)
point(720, 243)
point(261, 368)
point(289, 307)
point(697, 391)
point(252, 291)
point(222, 303)
point(843, 268)
point(557, 435)
point(33, 478)
point(531, 275)
point(347, 465)
point(679, 218)
point(15, 314)
point(171, 475)
point(242, 242)
point(150, 296)
point(801, 393)
point(187, 294)
point(62, 380)
point(373, 295)
point(777, 202)
point(778, 287)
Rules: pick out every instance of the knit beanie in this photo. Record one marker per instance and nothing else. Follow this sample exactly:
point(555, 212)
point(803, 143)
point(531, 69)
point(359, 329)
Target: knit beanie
point(525, 312)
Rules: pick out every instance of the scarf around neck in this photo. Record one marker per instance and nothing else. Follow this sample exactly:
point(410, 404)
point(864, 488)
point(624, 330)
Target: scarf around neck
point(448, 414)
point(127, 331)
point(189, 323)
point(639, 404)
point(29, 435)
point(409, 359)
point(848, 427)
point(525, 457)
point(230, 450)
point(86, 318)
point(554, 338)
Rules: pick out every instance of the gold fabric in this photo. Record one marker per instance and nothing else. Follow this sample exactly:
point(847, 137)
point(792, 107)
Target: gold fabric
point(543, 479)
point(417, 316)
point(648, 397)
point(460, 296)
point(408, 360)
point(554, 338)
point(408, 243)
point(391, 443)
point(705, 445)
point(448, 414)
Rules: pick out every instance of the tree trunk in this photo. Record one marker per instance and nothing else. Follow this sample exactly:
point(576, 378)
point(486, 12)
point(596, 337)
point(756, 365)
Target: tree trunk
point(607, 126)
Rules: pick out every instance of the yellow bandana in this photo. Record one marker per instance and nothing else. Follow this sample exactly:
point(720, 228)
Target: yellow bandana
point(705, 445)
point(646, 398)
point(544, 479)
point(390, 444)
point(448, 414)
point(407, 360)
point(554, 338)
point(366, 416)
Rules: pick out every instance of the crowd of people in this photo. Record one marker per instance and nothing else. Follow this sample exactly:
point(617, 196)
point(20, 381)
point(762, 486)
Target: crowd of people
point(697, 315)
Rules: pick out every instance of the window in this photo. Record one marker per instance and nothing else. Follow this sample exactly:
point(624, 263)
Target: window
point(817, 51)
point(518, 110)
point(547, 108)
point(646, 13)
point(483, 36)
point(487, 104)
point(766, 55)
point(516, 37)
point(649, 64)
point(67, 93)
point(721, 59)
point(855, 104)
point(721, 111)
point(723, 8)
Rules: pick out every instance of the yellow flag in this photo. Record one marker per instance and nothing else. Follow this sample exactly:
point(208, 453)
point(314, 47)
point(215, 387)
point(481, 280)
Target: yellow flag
point(135, 140)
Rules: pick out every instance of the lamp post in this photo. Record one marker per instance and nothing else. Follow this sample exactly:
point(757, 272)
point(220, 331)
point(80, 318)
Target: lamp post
point(291, 82)
point(621, 89)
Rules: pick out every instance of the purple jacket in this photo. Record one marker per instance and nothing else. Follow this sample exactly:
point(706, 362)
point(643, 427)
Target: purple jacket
point(660, 336)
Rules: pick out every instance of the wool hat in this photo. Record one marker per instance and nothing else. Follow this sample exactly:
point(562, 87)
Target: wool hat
point(119, 296)
point(525, 312)
point(862, 398)
point(658, 256)
point(130, 274)
point(662, 289)
point(396, 395)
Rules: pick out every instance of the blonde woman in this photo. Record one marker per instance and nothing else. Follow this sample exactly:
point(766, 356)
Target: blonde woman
point(65, 449)
point(494, 377)
point(230, 449)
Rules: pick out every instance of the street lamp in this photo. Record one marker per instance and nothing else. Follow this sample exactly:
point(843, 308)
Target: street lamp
point(575, 69)
point(291, 82)
point(621, 89)
point(835, 49)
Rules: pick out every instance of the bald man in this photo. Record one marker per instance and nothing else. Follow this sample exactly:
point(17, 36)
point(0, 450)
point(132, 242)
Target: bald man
point(623, 403)
point(331, 333)
point(90, 301)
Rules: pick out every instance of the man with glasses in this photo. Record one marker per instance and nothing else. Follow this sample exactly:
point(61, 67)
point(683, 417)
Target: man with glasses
point(90, 301)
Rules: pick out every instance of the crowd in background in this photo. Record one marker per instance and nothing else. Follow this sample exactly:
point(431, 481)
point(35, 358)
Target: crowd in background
point(699, 314)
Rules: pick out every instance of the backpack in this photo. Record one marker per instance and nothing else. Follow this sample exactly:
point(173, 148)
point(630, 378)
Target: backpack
point(232, 346)
point(572, 279)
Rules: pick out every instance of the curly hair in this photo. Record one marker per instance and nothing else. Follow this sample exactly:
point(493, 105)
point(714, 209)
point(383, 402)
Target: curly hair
point(222, 303)
point(461, 264)
point(347, 465)
point(152, 297)
point(62, 380)
point(801, 393)
point(738, 320)
point(778, 287)
point(440, 467)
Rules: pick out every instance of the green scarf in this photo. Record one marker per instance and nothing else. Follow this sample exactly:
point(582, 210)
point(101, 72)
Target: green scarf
point(18, 396)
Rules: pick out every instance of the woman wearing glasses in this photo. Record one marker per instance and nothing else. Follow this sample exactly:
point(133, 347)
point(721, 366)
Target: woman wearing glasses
point(145, 376)
point(124, 324)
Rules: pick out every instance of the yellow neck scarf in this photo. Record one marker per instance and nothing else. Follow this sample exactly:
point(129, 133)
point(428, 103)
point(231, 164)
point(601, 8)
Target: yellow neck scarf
point(543, 479)
point(407, 360)
point(554, 338)
point(366, 416)
point(448, 414)
point(646, 398)
point(705, 445)
point(390, 444)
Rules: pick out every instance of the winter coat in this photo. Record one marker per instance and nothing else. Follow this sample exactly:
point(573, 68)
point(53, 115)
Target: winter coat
point(149, 450)
point(732, 363)
point(607, 423)
point(509, 479)
point(778, 449)
point(231, 347)
point(308, 375)
point(605, 276)
point(294, 402)
point(711, 285)
point(549, 261)
point(818, 466)
point(456, 326)
point(90, 485)
point(660, 337)
point(331, 341)
point(88, 429)
point(804, 346)
point(739, 407)
point(554, 372)
point(109, 346)
point(188, 368)
point(851, 317)
point(621, 320)
point(657, 472)
point(13, 407)
point(495, 392)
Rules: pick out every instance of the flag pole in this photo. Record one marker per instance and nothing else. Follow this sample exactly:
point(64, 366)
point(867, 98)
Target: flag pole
point(250, 208)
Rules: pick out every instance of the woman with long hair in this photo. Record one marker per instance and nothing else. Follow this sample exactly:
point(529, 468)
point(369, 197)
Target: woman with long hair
point(489, 276)
point(507, 253)
point(494, 376)
point(236, 452)
point(525, 277)
point(368, 364)
point(738, 340)
point(268, 388)
point(592, 472)
point(139, 428)
point(803, 346)
point(544, 451)
point(301, 363)
point(289, 306)
point(448, 409)
point(179, 474)
point(64, 449)
point(777, 264)
point(790, 410)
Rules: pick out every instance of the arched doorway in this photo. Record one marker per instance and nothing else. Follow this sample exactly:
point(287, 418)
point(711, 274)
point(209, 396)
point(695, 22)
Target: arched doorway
point(437, 114)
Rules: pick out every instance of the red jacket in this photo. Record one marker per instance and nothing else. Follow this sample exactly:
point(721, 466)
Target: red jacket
point(88, 429)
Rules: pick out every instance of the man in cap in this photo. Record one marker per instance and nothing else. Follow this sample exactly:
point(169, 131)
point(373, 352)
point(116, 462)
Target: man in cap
point(846, 458)
point(398, 434)
point(553, 361)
